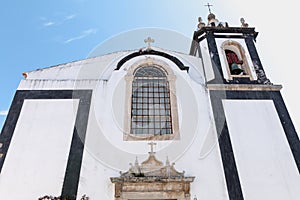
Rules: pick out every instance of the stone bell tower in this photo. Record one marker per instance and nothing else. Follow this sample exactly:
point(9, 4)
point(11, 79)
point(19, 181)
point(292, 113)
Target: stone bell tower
point(259, 146)
point(232, 51)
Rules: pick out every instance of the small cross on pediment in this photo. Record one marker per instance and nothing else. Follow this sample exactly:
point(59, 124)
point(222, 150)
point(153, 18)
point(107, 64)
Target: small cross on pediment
point(149, 40)
point(151, 147)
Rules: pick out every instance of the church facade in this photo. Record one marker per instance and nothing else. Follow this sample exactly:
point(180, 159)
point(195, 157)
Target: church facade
point(153, 124)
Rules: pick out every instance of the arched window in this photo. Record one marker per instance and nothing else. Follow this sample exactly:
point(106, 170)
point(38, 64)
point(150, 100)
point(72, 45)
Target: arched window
point(235, 60)
point(151, 108)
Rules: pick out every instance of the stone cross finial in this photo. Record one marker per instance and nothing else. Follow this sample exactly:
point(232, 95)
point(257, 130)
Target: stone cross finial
point(208, 5)
point(151, 147)
point(149, 40)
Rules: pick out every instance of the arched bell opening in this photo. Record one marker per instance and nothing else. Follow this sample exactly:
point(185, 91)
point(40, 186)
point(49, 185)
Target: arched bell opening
point(235, 59)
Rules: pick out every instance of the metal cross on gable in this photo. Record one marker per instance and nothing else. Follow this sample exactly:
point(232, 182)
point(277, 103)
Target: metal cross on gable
point(149, 40)
point(151, 147)
point(208, 5)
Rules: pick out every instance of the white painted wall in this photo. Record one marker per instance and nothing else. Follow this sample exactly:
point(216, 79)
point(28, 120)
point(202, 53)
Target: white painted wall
point(208, 66)
point(36, 160)
point(76, 70)
point(264, 160)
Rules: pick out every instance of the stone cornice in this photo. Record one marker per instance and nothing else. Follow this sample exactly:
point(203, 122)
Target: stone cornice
point(151, 179)
point(244, 87)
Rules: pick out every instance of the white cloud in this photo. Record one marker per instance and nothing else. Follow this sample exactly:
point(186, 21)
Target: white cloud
point(49, 23)
point(83, 34)
point(69, 17)
point(3, 112)
point(61, 20)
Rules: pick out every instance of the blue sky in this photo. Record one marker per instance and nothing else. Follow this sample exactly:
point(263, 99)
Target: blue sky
point(38, 34)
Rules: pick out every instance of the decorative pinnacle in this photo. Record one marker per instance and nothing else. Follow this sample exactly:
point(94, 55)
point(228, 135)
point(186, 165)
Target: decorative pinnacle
point(167, 161)
point(149, 40)
point(136, 163)
point(208, 5)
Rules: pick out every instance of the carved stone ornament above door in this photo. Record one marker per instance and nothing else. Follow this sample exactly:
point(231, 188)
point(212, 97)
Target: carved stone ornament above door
point(152, 180)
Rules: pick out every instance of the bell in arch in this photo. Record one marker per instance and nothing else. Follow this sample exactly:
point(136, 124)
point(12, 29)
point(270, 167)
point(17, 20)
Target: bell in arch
point(236, 69)
point(235, 64)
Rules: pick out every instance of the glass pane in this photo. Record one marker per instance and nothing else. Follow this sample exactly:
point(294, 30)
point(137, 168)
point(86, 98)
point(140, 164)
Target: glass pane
point(145, 112)
point(139, 112)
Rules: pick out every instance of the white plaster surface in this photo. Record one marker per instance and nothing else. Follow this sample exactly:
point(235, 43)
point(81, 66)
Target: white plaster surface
point(208, 66)
point(265, 164)
point(76, 70)
point(36, 160)
point(88, 73)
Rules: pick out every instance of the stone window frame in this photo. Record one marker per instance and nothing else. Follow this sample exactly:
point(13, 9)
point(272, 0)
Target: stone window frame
point(240, 52)
point(171, 78)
